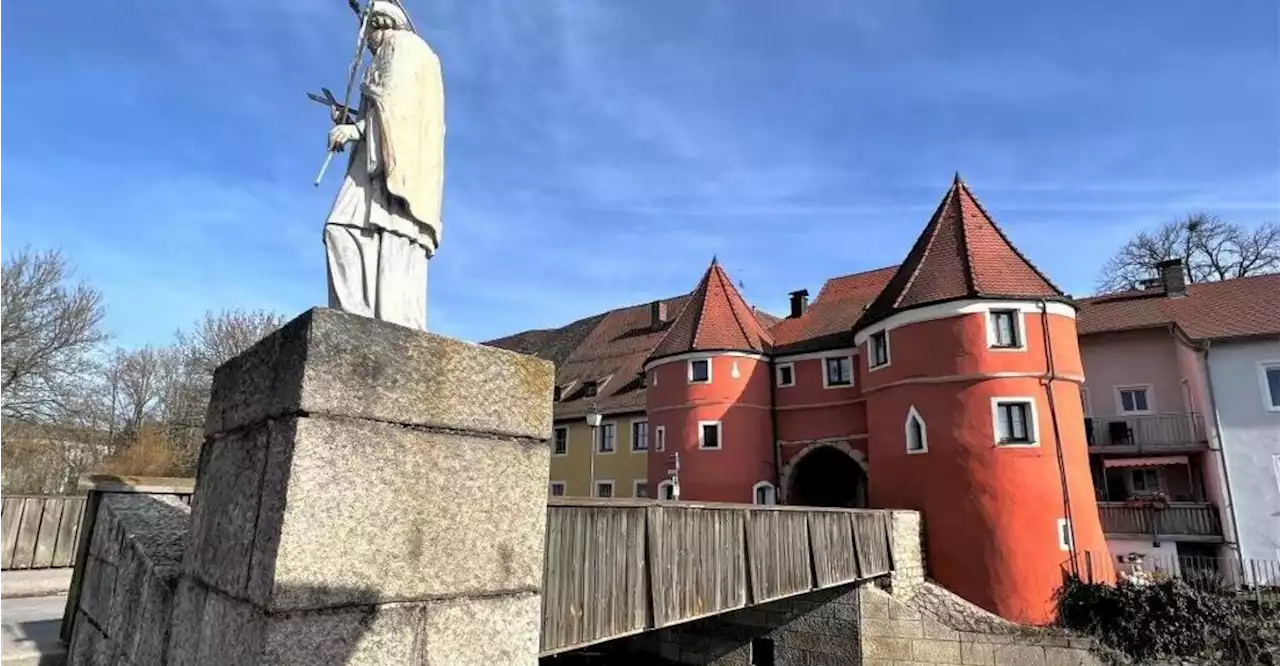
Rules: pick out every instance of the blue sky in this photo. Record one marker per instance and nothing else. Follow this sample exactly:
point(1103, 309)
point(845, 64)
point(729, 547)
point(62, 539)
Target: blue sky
point(599, 152)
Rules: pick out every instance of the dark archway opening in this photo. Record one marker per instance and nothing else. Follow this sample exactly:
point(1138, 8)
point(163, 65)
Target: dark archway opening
point(828, 477)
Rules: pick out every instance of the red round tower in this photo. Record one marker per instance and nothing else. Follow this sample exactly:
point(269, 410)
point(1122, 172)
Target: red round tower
point(708, 397)
point(971, 372)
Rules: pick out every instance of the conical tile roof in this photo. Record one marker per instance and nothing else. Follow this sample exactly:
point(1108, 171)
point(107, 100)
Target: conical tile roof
point(961, 254)
point(715, 318)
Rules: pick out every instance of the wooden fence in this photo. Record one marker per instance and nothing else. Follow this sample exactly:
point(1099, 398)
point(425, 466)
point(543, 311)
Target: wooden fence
point(39, 531)
point(615, 568)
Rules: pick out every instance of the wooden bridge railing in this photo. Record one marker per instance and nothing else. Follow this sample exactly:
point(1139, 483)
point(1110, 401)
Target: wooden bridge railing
point(619, 567)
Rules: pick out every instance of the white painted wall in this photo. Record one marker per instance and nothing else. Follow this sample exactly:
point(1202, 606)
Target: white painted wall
point(1155, 558)
point(1250, 439)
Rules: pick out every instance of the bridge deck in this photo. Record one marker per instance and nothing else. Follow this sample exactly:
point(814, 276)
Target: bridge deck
point(615, 568)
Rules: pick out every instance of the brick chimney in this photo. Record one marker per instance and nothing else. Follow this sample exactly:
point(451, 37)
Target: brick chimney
point(657, 315)
point(1173, 277)
point(799, 303)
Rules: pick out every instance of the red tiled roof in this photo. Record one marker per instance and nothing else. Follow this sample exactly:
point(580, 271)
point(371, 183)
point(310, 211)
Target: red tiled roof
point(715, 318)
point(828, 323)
point(960, 254)
point(1243, 307)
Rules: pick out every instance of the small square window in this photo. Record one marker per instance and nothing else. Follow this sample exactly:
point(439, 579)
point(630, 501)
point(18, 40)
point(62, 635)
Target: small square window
point(560, 446)
point(1015, 423)
point(642, 489)
point(700, 371)
point(604, 489)
point(878, 348)
point(1064, 534)
point(557, 489)
point(590, 389)
point(1005, 329)
point(1134, 400)
point(709, 435)
point(639, 435)
point(786, 374)
point(606, 441)
point(1270, 377)
point(839, 371)
point(660, 438)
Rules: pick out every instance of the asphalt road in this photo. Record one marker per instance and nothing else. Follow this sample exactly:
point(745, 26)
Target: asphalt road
point(29, 631)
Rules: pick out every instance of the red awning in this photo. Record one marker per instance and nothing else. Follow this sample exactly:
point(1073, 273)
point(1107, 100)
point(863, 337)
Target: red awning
point(1145, 462)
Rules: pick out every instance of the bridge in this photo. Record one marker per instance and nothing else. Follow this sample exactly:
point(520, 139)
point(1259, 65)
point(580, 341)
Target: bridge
point(612, 568)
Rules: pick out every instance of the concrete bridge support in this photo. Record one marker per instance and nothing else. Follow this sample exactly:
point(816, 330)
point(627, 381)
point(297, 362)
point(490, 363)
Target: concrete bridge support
point(368, 494)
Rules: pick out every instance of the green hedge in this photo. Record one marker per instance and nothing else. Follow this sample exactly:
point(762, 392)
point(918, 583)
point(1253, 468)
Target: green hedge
point(1172, 619)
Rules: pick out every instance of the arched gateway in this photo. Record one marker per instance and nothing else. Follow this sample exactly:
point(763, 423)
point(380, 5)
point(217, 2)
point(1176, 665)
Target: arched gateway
point(826, 474)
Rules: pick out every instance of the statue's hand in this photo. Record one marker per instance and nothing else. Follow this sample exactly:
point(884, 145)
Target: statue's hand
point(341, 135)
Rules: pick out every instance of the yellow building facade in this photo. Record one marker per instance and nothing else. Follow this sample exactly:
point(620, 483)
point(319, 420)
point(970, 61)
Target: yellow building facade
point(620, 454)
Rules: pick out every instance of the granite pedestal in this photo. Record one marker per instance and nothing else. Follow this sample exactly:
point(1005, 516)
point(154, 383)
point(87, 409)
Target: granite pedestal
point(368, 494)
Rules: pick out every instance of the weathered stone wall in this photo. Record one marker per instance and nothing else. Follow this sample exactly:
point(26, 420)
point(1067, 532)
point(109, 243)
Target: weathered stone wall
point(367, 494)
point(863, 624)
point(936, 627)
point(133, 566)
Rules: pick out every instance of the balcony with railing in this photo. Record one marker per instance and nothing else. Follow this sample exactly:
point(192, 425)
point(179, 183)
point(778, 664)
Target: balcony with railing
point(1171, 521)
point(1153, 433)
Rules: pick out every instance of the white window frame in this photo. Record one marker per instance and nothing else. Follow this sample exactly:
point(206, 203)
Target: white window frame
point(826, 377)
point(635, 488)
point(659, 438)
point(777, 374)
point(555, 432)
point(634, 423)
point(662, 486)
point(551, 488)
point(871, 355)
point(912, 413)
point(1019, 330)
point(1151, 399)
point(595, 446)
point(1268, 400)
point(1064, 535)
point(613, 489)
point(719, 435)
point(773, 493)
point(689, 370)
point(1033, 422)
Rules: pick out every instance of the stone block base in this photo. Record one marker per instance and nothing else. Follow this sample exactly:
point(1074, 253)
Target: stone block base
point(213, 628)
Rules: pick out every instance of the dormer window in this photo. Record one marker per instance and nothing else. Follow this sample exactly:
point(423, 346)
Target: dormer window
point(557, 393)
point(590, 388)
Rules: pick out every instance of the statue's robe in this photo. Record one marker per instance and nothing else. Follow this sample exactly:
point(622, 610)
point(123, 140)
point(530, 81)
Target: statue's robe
point(385, 223)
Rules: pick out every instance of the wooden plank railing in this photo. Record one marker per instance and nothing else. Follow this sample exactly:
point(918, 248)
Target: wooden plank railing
point(1176, 519)
point(614, 568)
point(39, 531)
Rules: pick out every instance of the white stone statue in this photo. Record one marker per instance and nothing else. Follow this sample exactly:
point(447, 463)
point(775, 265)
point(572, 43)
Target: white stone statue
point(385, 224)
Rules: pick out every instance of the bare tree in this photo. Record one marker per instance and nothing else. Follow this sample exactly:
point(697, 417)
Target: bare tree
point(50, 329)
point(188, 379)
point(1212, 249)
